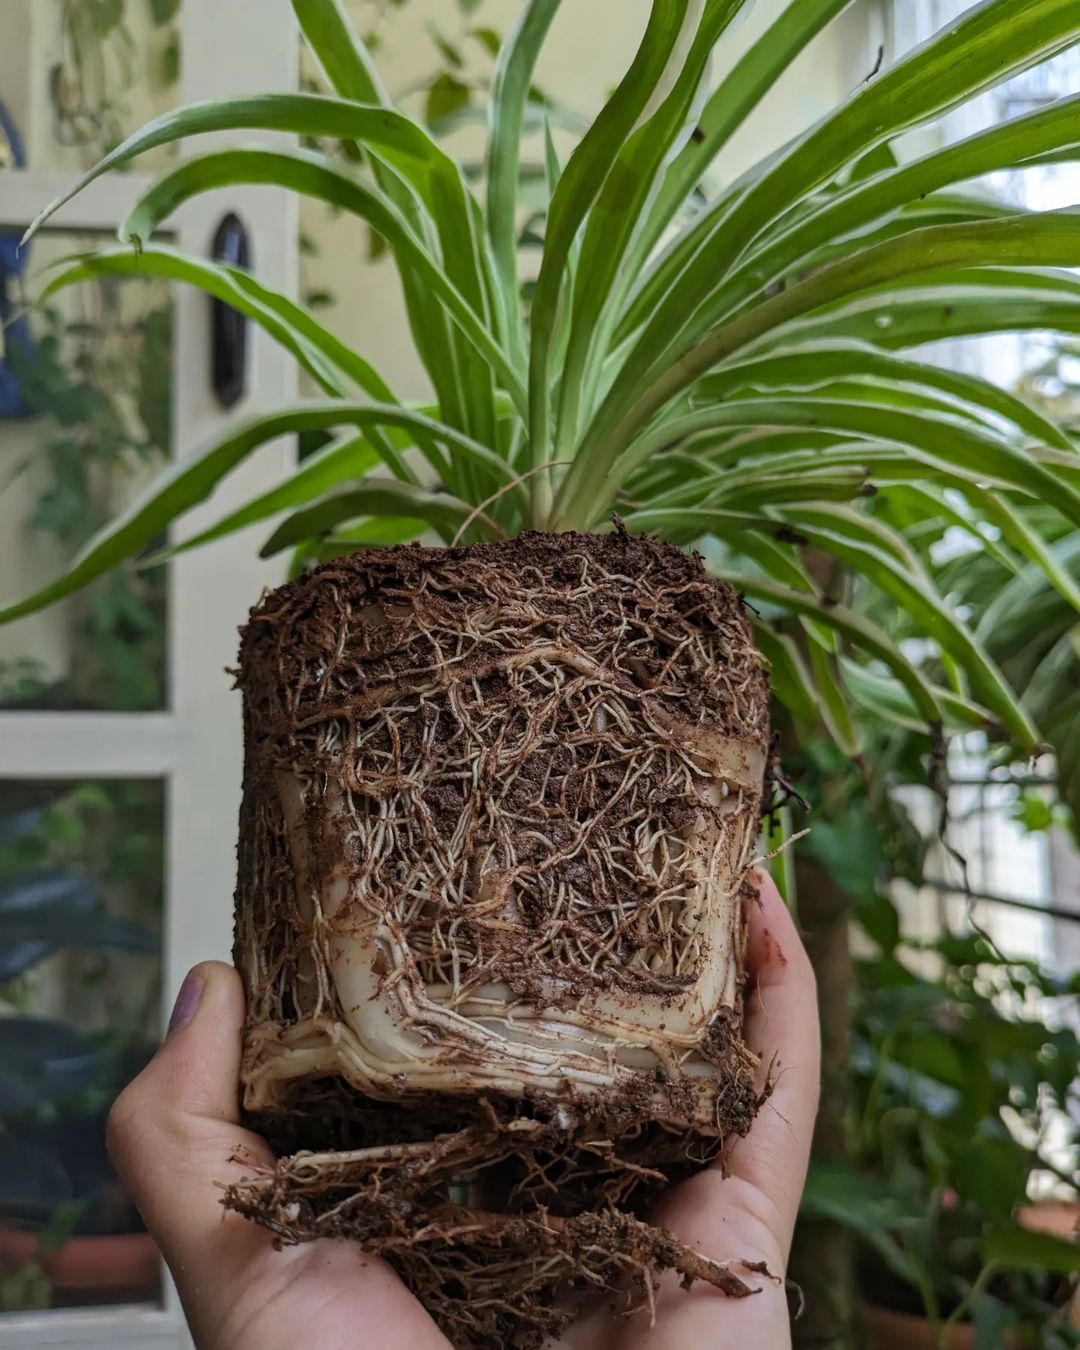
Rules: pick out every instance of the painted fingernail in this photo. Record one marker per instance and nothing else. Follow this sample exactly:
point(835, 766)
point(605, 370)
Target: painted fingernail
point(187, 1003)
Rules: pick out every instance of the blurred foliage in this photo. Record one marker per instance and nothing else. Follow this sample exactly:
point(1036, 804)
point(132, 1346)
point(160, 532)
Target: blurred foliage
point(99, 384)
point(101, 61)
point(98, 387)
point(964, 1063)
point(71, 855)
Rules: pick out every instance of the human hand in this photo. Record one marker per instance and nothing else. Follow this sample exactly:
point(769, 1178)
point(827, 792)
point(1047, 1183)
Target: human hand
point(749, 1214)
point(175, 1130)
point(174, 1137)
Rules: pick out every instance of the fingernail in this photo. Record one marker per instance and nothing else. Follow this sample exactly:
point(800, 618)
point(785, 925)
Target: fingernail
point(187, 1003)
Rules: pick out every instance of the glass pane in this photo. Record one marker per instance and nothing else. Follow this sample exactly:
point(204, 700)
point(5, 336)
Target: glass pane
point(80, 984)
point(85, 382)
point(77, 76)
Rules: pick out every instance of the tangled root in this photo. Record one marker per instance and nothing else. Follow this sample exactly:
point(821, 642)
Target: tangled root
point(489, 1278)
point(499, 807)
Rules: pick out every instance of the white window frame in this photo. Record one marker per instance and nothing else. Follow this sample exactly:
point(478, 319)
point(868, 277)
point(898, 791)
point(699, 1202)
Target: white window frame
point(194, 745)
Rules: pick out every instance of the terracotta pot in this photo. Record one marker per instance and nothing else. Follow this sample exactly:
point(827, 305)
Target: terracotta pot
point(116, 1268)
point(885, 1330)
point(1062, 1220)
point(1059, 1217)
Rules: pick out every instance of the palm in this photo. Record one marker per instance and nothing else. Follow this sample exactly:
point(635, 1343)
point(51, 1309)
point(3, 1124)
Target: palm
point(175, 1138)
point(283, 1295)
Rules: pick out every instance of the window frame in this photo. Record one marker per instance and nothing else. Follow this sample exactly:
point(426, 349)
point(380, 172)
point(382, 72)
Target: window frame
point(195, 744)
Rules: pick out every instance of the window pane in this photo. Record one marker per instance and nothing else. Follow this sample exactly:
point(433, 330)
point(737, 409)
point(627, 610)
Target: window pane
point(84, 423)
point(80, 985)
point(78, 76)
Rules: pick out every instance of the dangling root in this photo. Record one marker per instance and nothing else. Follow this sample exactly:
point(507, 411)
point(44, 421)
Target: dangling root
point(548, 1222)
point(487, 1279)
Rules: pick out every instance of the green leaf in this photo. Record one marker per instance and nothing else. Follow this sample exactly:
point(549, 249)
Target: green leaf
point(850, 849)
point(1020, 595)
point(860, 631)
point(446, 49)
point(929, 504)
point(579, 186)
point(936, 209)
point(992, 1320)
point(877, 914)
point(106, 15)
point(1014, 1248)
point(984, 46)
point(888, 700)
point(382, 531)
point(614, 222)
point(1024, 240)
point(446, 96)
point(1033, 813)
point(344, 59)
point(490, 41)
point(734, 99)
point(404, 143)
point(192, 480)
point(431, 175)
point(864, 1205)
point(163, 11)
point(512, 81)
point(947, 440)
point(170, 62)
point(813, 365)
point(843, 215)
point(314, 176)
point(938, 309)
point(376, 496)
point(789, 677)
point(833, 703)
point(814, 485)
point(750, 536)
point(338, 463)
point(877, 161)
point(840, 533)
point(1028, 542)
point(317, 350)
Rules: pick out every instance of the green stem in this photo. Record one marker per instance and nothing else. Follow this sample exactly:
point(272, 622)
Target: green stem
point(985, 1276)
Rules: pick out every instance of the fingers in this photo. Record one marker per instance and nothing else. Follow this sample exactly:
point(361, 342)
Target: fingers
point(748, 1213)
point(173, 1137)
point(173, 1132)
point(765, 1171)
point(782, 1029)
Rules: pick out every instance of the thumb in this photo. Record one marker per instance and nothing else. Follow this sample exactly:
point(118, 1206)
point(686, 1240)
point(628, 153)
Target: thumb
point(174, 1137)
point(173, 1134)
point(197, 1070)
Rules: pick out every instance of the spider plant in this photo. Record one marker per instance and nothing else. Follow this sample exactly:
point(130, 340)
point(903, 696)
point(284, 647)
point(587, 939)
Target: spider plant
point(743, 376)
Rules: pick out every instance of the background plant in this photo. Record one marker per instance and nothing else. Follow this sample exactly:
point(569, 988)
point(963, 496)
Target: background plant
point(963, 1073)
point(71, 856)
point(81, 864)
